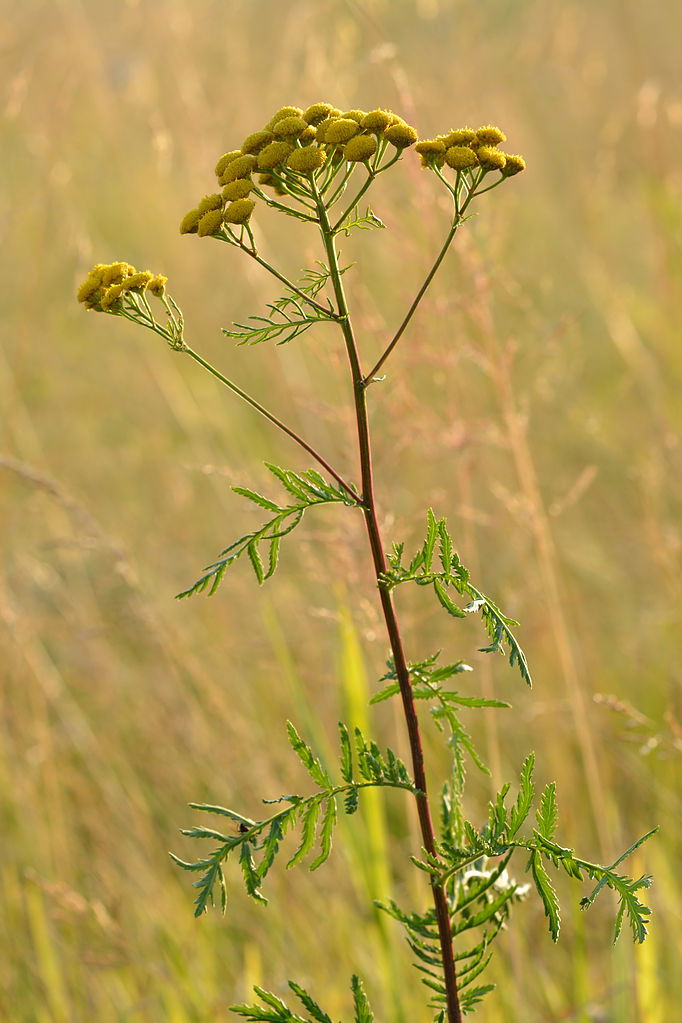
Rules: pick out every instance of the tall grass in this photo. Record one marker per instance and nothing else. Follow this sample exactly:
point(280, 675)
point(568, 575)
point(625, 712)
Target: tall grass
point(553, 339)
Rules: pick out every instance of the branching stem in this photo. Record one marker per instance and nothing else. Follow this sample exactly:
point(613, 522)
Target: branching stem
point(454, 1013)
point(272, 418)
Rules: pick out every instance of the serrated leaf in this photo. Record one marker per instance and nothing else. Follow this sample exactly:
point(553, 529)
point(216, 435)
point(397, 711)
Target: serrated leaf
point(307, 758)
point(317, 1013)
point(255, 559)
point(258, 499)
point(309, 831)
point(446, 600)
point(548, 812)
point(430, 541)
point(546, 893)
point(250, 873)
point(524, 799)
point(346, 753)
point(328, 822)
point(362, 1010)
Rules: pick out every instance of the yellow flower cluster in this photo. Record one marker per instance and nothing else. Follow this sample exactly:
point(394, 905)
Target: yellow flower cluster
point(107, 283)
point(465, 149)
point(293, 142)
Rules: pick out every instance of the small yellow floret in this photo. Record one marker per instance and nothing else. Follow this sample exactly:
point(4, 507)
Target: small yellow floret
point(137, 281)
point(256, 141)
point(225, 159)
point(377, 120)
point(281, 114)
point(289, 127)
point(489, 135)
point(273, 155)
point(209, 223)
point(239, 212)
point(460, 158)
point(89, 286)
point(112, 295)
point(188, 224)
point(355, 115)
point(460, 137)
point(491, 159)
point(238, 189)
point(341, 130)
point(306, 160)
point(308, 136)
point(317, 112)
point(115, 273)
point(323, 125)
point(514, 165)
point(401, 135)
point(158, 285)
point(430, 147)
point(362, 147)
point(240, 168)
point(210, 202)
point(266, 179)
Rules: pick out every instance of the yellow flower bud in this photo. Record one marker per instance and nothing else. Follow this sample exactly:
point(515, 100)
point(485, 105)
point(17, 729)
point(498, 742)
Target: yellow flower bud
point(273, 155)
point(289, 127)
point(188, 224)
point(401, 135)
point(308, 136)
point(137, 281)
point(460, 137)
point(281, 114)
point(239, 212)
point(158, 285)
point(112, 295)
point(489, 135)
point(210, 223)
point(238, 189)
point(318, 112)
point(360, 148)
point(377, 120)
point(239, 168)
point(89, 287)
point(514, 165)
point(256, 141)
point(266, 179)
point(355, 115)
point(224, 160)
point(115, 273)
point(430, 147)
point(460, 158)
point(306, 160)
point(323, 125)
point(210, 202)
point(491, 159)
point(341, 130)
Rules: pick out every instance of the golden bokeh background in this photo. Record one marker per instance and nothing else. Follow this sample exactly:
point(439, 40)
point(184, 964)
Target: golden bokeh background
point(534, 401)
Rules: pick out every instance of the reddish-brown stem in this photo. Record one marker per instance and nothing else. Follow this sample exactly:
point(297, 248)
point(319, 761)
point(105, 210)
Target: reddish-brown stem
point(454, 1013)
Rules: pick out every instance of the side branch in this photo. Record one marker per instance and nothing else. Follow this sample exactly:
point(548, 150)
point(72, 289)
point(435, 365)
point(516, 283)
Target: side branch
point(271, 418)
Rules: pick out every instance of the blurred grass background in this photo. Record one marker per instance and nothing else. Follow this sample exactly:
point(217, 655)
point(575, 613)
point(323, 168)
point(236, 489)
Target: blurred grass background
point(535, 402)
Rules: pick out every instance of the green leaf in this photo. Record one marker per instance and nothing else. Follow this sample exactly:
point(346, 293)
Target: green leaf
point(547, 813)
point(430, 542)
point(255, 559)
point(310, 1004)
point(328, 823)
point(363, 1012)
point(524, 800)
point(309, 830)
point(309, 761)
point(258, 499)
point(250, 873)
point(546, 893)
point(346, 753)
point(446, 600)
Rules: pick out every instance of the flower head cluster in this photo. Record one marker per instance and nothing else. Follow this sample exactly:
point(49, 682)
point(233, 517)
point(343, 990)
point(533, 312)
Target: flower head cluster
point(466, 150)
point(294, 144)
point(108, 284)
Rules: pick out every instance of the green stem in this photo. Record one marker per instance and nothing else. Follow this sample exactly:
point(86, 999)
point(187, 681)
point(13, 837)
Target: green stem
point(280, 277)
point(353, 204)
point(454, 1013)
point(411, 311)
point(269, 416)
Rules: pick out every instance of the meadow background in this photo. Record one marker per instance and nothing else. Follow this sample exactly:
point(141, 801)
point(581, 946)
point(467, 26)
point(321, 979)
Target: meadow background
point(535, 402)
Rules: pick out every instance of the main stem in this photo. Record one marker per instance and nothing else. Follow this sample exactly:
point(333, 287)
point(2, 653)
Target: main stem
point(402, 671)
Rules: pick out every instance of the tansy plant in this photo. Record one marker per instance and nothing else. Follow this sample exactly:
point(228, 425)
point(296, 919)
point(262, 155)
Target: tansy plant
point(316, 165)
